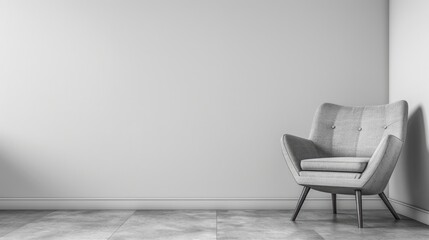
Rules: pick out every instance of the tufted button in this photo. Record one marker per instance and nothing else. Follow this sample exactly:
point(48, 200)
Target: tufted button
point(360, 129)
point(333, 127)
point(385, 127)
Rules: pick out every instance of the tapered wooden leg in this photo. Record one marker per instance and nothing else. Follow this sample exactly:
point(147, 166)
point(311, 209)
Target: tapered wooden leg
point(389, 206)
point(358, 196)
point(334, 203)
point(301, 200)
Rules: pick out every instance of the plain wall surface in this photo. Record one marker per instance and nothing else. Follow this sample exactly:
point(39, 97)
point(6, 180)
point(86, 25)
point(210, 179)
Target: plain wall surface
point(409, 79)
point(175, 99)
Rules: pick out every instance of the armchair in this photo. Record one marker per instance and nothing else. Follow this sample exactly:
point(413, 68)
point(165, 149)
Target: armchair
point(351, 150)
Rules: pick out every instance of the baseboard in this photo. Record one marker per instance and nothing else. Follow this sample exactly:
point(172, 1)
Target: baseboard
point(410, 211)
point(182, 203)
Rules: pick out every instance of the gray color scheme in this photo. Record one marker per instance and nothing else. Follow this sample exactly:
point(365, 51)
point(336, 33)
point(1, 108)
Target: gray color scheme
point(409, 79)
point(389, 206)
point(168, 224)
point(340, 131)
point(319, 174)
point(257, 225)
point(12, 220)
point(301, 200)
point(348, 134)
point(206, 225)
point(70, 225)
point(336, 131)
point(358, 195)
point(335, 164)
point(164, 95)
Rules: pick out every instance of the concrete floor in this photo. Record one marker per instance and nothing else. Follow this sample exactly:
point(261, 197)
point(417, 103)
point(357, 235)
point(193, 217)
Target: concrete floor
point(205, 224)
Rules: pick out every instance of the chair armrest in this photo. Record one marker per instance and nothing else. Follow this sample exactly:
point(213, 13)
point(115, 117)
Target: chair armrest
point(381, 165)
point(296, 149)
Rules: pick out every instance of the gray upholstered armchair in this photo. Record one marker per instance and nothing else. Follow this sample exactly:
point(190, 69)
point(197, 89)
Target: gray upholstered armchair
point(351, 150)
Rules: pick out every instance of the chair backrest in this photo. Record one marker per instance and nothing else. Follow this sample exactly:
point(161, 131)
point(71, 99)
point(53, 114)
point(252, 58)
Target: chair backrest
point(340, 131)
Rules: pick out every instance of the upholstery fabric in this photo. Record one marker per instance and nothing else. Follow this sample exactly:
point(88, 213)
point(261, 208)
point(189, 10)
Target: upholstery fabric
point(323, 174)
point(297, 149)
point(381, 165)
point(376, 133)
point(335, 164)
point(340, 131)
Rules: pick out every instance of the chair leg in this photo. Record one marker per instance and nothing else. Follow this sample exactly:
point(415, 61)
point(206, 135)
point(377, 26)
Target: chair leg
point(389, 206)
point(358, 196)
point(301, 200)
point(334, 203)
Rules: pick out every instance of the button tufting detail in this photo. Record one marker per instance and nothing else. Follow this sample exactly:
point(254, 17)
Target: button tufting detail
point(360, 129)
point(385, 127)
point(333, 127)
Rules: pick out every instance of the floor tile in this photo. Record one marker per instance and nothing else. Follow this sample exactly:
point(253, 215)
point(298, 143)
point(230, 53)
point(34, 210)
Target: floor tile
point(69, 225)
point(207, 225)
point(12, 220)
point(261, 224)
point(378, 224)
point(169, 225)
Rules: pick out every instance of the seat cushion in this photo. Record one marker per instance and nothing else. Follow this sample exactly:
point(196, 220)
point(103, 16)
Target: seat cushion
point(320, 175)
point(335, 164)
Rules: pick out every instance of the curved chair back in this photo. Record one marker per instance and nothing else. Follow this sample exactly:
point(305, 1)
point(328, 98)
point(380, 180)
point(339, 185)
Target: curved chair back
point(340, 131)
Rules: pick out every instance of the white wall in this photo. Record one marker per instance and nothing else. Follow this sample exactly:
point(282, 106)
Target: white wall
point(409, 79)
point(175, 99)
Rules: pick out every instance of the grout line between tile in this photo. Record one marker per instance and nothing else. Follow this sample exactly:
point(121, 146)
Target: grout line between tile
point(121, 225)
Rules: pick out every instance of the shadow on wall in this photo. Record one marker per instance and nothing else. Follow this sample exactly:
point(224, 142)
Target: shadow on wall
point(17, 180)
point(414, 168)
